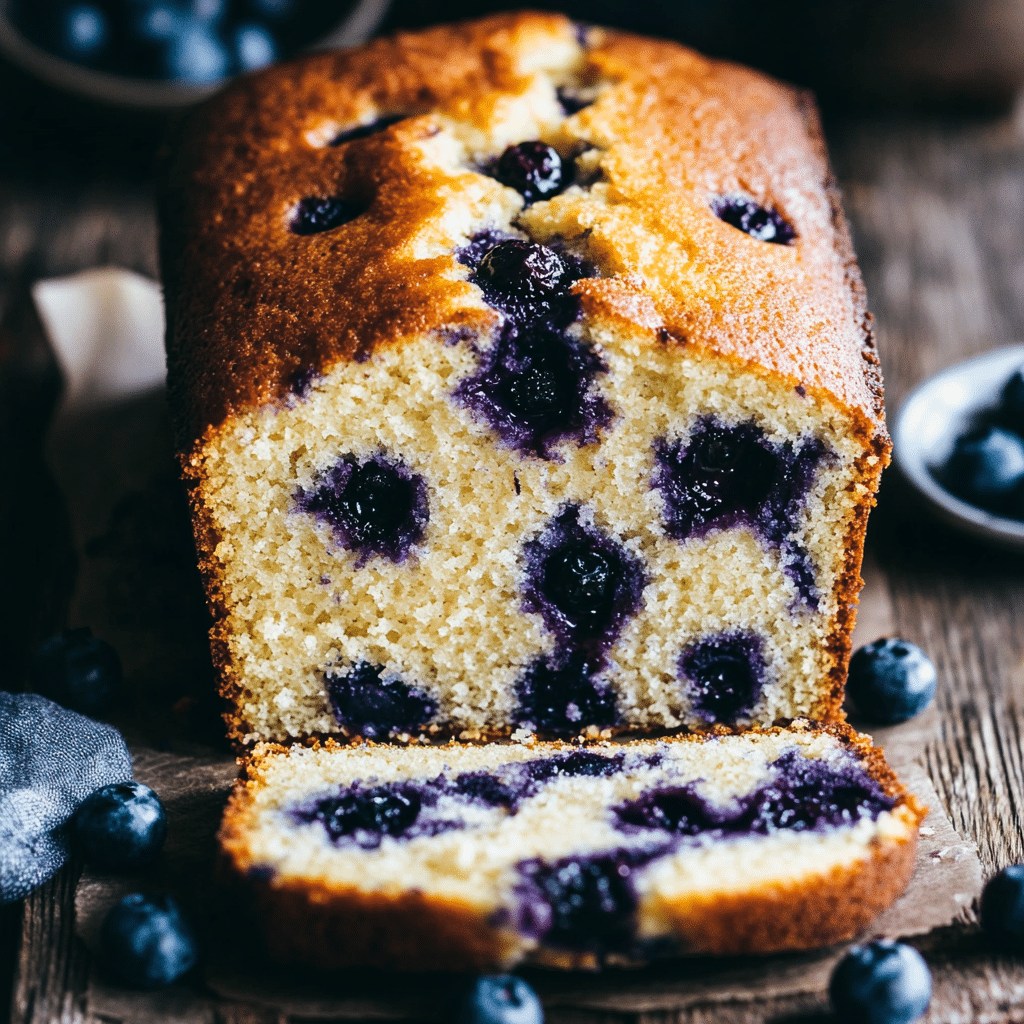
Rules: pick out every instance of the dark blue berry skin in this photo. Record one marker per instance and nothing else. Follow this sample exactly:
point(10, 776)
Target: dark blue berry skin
point(499, 999)
point(987, 465)
point(881, 983)
point(760, 223)
point(120, 827)
point(316, 214)
point(528, 282)
point(86, 33)
point(146, 942)
point(533, 169)
point(890, 681)
point(77, 670)
point(1002, 909)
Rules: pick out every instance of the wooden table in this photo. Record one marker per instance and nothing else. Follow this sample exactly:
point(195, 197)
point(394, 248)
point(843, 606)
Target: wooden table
point(937, 206)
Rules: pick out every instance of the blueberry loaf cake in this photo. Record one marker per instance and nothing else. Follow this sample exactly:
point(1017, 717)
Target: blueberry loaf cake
point(523, 384)
point(458, 857)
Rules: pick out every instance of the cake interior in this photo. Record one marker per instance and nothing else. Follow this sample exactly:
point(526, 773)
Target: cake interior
point(596, 850)
point(552, 520)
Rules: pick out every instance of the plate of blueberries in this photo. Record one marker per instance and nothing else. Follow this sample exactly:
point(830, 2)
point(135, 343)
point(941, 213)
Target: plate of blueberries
point(162, 54)
point(959, 439)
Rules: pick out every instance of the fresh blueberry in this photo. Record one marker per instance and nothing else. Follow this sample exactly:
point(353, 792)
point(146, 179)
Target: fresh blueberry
point(881, 983)
point(121, 826)
point(533, 169)
point(146, 942)
point(315, 214)
point(525, 280)
point(196, 55)
point(890, 681)
point(499, 999)
point(254, 47)
point(987, 464)
point(208, 11)
point(156, 22)
point(1002, 908)
point(755, 220)
point(77, 670)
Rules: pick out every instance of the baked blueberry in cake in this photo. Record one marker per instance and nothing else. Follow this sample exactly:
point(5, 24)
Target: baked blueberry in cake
point(523, 384)
point(457, 857)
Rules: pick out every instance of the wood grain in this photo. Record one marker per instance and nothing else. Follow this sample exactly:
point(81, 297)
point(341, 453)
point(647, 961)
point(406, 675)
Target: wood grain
point(938, 215)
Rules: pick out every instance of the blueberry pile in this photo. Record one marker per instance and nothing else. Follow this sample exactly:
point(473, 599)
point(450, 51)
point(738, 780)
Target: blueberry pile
point(193, 41)
point(986, 466)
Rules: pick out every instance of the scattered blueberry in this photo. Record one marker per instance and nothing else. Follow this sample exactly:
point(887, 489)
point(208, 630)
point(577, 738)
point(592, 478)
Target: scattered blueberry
point(373, 707)
point(533, 169)
point(121, 826)
point(86, 33)
point(314, 214)
point(157, 22)
point(890, 681)
point(146, 942)
point(254, 47)
point(499, 999)
point(51, 759)
point(987, 464)
point(881, 983)
point(755, 220)
point(1002, 908)
point(527, 281)
point(77, 670)
point(197, 56)
point(376, 507)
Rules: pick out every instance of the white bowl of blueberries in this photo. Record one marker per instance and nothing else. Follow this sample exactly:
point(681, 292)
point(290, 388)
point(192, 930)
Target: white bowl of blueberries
point(164, 54)
point(959, 439)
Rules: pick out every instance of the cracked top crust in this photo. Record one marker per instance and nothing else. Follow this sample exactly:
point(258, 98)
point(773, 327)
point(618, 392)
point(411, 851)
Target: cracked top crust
point(254, 307)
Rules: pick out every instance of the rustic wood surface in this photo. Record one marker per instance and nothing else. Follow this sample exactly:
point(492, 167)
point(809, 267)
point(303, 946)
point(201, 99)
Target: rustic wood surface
point(937, 206)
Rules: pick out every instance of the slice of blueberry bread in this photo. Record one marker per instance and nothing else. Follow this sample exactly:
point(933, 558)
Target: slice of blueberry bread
point(523, 383)
point(457, 857)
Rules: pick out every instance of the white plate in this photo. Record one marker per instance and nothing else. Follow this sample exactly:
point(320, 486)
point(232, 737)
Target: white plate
point(935, 414)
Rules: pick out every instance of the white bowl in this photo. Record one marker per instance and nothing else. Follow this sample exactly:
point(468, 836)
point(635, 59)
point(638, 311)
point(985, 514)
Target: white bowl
point(934, 416)
point(359, 23)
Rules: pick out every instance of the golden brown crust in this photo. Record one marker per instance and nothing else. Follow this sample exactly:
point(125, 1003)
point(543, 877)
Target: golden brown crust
point(331, 926)
point(250, 304)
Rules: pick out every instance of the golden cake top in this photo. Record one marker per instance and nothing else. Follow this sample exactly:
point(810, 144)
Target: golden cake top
point(401, 131)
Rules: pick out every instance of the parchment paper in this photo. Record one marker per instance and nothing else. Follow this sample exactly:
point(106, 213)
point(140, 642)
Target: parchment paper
point(138, 588)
